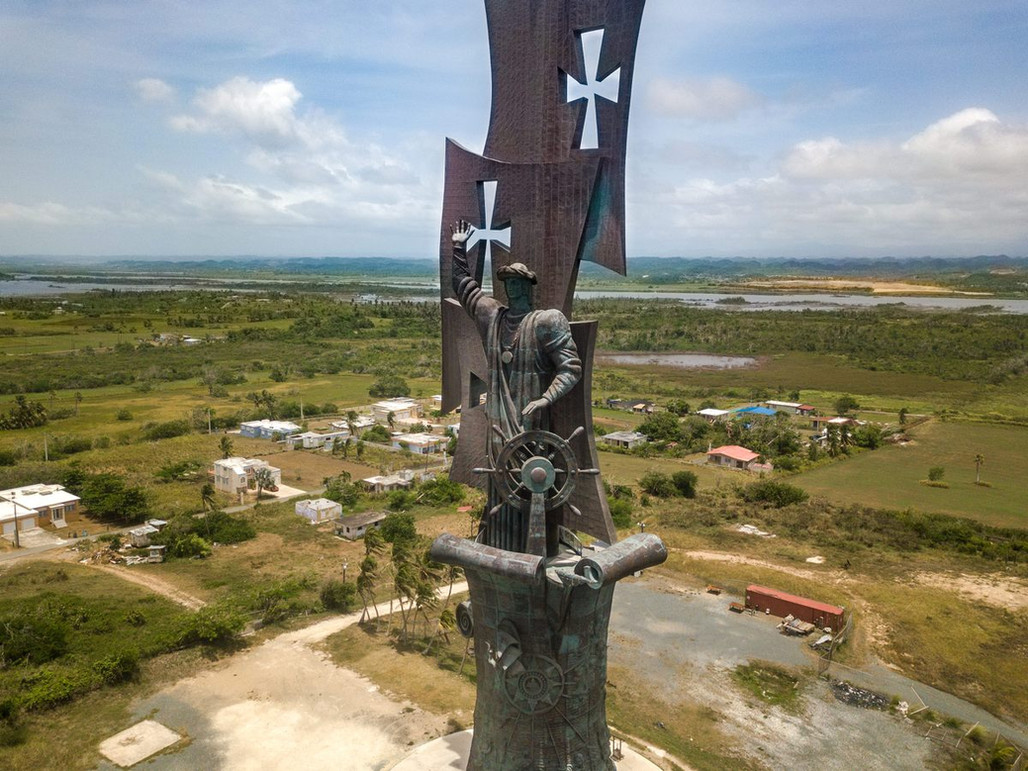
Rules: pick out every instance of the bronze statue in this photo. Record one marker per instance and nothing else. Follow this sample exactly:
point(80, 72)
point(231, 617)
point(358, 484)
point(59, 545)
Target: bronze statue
point(549, 189)
point(532, 362)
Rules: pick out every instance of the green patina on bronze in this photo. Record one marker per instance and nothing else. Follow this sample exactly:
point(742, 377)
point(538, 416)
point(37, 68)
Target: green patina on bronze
point(520, 371)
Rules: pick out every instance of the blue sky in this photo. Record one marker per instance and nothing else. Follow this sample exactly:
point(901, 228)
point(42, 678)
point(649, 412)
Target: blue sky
point(316, 127)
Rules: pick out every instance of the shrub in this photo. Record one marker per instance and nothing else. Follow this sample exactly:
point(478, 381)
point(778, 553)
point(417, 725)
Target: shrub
point(124, 414)
point(935, 473)
point(339, 595)
point(190, 545)
point(8, 458)
point(440, 491)
point(34, 639)
point(117, 667)
point(774, 493)
point(169, 430)
point(659, 484)
point(621, 512)
point(211, 625)
point(685, 483)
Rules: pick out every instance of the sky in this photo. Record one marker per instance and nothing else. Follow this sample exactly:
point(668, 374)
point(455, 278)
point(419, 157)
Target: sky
point(317, 127)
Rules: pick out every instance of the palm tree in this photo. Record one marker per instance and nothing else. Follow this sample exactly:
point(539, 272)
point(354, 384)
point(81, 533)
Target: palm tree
point(207, 497)
point(391, 419)
point(979, 461)
point(373, 546)
point(225, 445)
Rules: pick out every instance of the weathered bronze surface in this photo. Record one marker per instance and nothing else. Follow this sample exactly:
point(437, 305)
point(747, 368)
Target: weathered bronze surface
point(547, 194)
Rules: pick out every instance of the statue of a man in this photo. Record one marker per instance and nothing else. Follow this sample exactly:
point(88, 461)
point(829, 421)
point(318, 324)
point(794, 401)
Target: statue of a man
point(532, 358)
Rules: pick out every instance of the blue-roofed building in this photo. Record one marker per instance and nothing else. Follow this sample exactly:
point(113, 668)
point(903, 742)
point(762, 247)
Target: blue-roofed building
point(764, 412)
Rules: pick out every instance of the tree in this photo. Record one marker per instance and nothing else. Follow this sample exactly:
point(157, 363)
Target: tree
point(225, 445)
point(263, 478)
point(846, 404)
point(679, 407)
point(389, 386)
point(207, 496)
point(106, 496)
point(24, 414)
point(359, 449)
point(979, 461)
point(391, 419)
point(78, 401)
point(935, 473)
point(903, 415)
point(373, 546)
point(662, 427)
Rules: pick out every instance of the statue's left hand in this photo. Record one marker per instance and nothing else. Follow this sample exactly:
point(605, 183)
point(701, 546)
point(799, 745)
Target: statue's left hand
point(533, 406)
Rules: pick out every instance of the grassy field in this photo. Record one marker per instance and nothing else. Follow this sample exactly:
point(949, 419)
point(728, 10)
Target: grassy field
point(890, 476)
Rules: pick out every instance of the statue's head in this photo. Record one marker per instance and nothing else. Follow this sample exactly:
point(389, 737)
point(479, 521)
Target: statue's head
point(518, 280)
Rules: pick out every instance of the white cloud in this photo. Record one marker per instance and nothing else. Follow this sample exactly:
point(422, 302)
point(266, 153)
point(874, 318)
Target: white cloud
point(154, 90)
point(264, 112)
point(955, 187)
point(51, 213)
point(717, 99)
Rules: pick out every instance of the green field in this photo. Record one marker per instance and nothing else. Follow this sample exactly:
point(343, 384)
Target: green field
point(890, 477)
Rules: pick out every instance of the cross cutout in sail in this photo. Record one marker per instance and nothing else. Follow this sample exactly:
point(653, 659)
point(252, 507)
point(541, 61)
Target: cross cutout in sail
point(590, 45)
point(486, 232)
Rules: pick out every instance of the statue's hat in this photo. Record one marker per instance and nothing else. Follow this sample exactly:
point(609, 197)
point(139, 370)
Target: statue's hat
point(516, 270)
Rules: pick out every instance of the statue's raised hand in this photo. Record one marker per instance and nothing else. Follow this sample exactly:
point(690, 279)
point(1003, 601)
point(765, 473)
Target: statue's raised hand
point(461, 231)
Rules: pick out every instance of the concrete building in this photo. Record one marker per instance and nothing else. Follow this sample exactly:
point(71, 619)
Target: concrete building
point(713, 415)
point(402, 409)
point(316, 510)
point(313, 440)
point(421, 444)
point(33, 505)
point(355, 526)
point(236, 475)
point(268, 429)
point(140, 536)
point(401, 480)
point(794, 408)
point(624, 439)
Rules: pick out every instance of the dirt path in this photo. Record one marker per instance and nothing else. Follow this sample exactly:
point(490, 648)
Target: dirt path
point(717, 556)
point(285, 704)
point(154, 584)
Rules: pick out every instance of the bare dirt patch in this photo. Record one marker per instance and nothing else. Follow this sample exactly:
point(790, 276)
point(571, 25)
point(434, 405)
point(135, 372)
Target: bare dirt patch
point(857, 285)
point(996, 590)
point(307, 470)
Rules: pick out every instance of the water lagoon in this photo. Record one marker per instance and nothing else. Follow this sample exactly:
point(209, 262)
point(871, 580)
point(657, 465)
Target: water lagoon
point(679, 360)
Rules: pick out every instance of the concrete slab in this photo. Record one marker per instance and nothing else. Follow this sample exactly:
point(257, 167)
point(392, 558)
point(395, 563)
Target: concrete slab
point(451, 752)
point(138, 743)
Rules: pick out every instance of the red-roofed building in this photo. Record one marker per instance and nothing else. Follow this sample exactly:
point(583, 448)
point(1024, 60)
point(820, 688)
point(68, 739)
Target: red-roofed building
point(777, 603)
point(733, 456)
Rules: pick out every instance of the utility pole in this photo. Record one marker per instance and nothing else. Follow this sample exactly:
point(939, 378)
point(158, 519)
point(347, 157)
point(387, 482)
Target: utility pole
point(46, 450)
point(14, 505)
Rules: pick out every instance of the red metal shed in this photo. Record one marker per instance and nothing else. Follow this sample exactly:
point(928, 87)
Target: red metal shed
point(821, 614)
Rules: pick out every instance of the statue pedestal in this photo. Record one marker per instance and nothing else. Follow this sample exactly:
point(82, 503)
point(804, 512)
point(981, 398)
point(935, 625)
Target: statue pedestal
point(540, 629)
point(450, 753)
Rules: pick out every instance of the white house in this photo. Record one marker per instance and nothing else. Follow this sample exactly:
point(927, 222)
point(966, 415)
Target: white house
point(318, 510)
point(624, 439)
point(268, 429)
point(384, 484)
point(236, 475)
point(422, 444)
point(356, 526)
point(33, 504)
point(402, 409)
point(712, 414)
point(312, 440)
point(362, 422)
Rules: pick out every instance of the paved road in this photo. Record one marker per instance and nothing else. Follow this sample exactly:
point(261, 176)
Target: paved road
point(679, 626)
